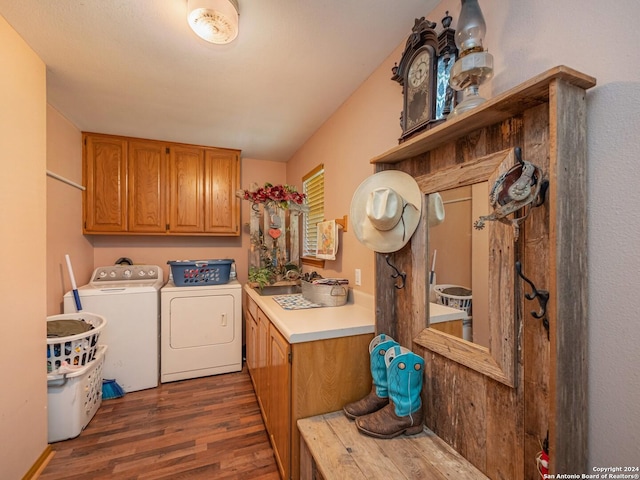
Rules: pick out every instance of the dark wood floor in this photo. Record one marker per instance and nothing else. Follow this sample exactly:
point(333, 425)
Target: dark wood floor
point(206, 428)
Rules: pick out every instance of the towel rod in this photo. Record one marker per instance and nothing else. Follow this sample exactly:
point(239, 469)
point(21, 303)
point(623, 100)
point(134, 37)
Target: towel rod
point(343, 222)
point(65, 180)
point(456, 200)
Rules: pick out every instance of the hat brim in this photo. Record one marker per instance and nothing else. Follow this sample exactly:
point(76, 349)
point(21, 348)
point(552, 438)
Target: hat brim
point(390, 240)
point(436, 210)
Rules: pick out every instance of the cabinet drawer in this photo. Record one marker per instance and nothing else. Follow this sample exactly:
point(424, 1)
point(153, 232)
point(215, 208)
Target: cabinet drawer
point(252, 307)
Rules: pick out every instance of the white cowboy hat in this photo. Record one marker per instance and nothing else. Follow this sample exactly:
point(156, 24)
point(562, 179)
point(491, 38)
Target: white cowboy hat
point(436, 209)
point(385, 210)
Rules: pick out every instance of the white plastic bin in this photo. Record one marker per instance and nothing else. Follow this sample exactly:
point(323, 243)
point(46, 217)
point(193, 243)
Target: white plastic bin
point(73, 401)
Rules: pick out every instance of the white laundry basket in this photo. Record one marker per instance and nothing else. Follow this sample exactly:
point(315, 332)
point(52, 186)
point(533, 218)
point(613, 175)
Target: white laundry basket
point(454, 296)
point(73, 398)
point(75, 350)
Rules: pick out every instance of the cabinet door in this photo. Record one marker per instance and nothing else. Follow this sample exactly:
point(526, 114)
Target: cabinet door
point(187, 194)
point(262, 379)
point(251, 331)
point(252, 344)
point(222, 180)
point(280, 400)
point(105, 176)
point(147, 187)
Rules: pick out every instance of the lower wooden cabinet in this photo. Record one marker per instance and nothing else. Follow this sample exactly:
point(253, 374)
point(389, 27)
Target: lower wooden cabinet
point(453, 327)
point(278, 397)
point(299, 380)
point(262, 367)
point(250, 310)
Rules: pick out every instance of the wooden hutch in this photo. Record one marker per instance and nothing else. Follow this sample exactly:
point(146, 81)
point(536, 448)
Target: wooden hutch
point(497, 405)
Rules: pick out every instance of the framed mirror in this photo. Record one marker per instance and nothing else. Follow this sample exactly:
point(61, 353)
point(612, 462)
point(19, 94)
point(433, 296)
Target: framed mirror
point(460, 277)
point(494, 351)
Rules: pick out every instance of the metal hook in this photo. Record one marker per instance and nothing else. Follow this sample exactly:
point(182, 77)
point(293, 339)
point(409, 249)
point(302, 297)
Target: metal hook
point(518, 153)
point(398, 273)
point(544, 183)
point(544, 186)
point(541, 295)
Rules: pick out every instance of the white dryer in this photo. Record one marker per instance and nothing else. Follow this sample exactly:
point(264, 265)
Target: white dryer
point(200, 330)
point(128, 296)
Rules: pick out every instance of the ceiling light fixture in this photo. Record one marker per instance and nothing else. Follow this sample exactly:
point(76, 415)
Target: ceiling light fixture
point(215, 21)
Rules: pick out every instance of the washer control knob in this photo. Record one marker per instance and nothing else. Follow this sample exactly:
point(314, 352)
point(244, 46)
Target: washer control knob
point(127, 273)
point(112, 274)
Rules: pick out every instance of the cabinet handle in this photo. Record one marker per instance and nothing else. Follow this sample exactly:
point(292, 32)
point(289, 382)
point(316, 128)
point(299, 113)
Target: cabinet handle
point(224, 320)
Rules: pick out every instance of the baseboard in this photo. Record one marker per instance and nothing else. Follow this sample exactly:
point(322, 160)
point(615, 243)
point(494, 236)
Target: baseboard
point(40, 464)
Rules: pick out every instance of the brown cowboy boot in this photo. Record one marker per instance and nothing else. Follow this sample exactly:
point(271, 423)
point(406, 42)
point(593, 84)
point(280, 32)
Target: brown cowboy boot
point(404, 412)
point(378, 397)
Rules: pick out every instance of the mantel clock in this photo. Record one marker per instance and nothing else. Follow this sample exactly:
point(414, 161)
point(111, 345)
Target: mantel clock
point(423, 73)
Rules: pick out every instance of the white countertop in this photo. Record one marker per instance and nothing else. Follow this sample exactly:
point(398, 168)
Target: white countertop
point(441, 313)
point(356, 317)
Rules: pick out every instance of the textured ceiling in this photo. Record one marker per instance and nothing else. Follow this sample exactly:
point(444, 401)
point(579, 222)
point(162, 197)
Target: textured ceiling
point(133, 67)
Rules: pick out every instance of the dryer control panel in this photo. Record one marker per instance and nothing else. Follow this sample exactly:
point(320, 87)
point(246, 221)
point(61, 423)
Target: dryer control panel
point(126, 273)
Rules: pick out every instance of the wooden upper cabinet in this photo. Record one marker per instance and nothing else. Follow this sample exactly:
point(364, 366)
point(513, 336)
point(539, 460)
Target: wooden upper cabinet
point(222, 179)
point(149, 187)
point(203, 191)
point(187, 190)
point(105, 176)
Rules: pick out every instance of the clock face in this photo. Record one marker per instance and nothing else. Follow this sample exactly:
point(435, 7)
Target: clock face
point(419, 69)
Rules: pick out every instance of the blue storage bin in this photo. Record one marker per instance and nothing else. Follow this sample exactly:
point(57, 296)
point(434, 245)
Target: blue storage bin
point(200, 272)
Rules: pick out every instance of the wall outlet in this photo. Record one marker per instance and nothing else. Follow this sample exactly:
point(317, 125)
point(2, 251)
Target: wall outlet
point(358, 276)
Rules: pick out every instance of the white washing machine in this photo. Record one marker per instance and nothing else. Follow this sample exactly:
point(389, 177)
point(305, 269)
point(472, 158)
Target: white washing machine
point(201, 330)
point(128, 296)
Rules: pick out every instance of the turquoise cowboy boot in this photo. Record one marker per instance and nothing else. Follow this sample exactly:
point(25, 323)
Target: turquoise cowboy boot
point(404, 413)
point(379, 395)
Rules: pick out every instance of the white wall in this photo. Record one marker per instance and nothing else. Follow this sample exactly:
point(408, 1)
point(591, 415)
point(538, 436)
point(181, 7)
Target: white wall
point(600, 39)
point(64, 211)
point(23, 393)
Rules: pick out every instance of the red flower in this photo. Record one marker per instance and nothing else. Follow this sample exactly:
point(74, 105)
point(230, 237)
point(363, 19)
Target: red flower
point(277, 193)
point(280, 194)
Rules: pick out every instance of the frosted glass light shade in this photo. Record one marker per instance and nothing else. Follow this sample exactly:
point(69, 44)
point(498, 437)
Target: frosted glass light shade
point(215, 21)
point(471, 27)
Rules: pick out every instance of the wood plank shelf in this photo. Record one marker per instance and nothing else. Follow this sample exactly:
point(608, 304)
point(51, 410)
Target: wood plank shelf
point(531, 93)
point(332, 448)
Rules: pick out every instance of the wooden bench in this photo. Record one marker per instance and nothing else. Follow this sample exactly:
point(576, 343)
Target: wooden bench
point(331, 447)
